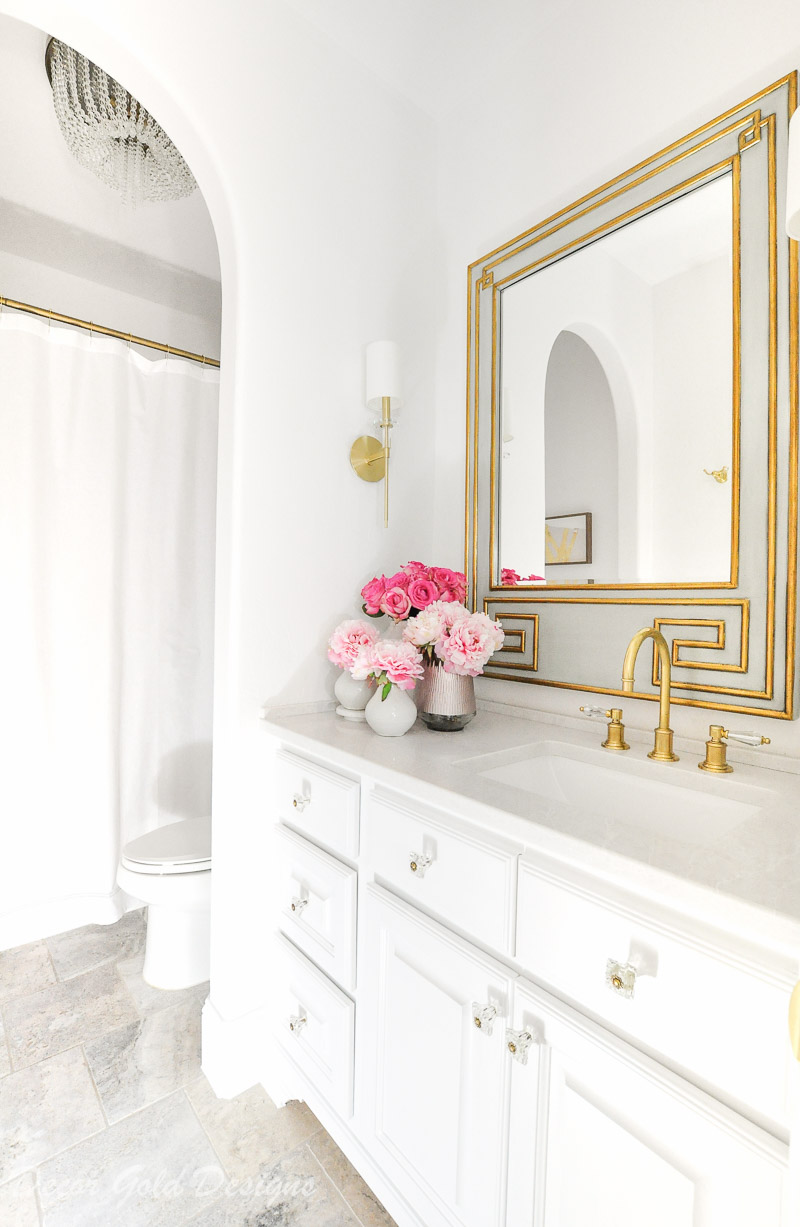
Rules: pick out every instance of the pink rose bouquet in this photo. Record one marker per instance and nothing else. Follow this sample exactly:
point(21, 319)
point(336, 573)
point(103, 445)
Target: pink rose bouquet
point(508, 577)
point(414, 588)
point(453, 638)
point(348, 640)
point(392, 662)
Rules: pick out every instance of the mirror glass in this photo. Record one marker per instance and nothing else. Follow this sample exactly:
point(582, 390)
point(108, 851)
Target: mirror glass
point(615, 437)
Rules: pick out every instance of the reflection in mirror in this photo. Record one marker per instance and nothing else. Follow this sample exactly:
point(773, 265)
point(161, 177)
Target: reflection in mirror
point(616, 429)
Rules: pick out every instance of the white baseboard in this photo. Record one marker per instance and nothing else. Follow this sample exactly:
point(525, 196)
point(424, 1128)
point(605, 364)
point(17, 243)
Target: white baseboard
point(232, 1050)
point(48, 917)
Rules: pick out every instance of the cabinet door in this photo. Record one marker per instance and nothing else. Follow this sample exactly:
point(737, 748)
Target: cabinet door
point(433, 1074)
point(603, 1136)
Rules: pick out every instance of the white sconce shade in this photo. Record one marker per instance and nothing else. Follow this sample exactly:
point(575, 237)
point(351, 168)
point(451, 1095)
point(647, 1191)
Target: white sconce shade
point(793, 179)
point(383, 373)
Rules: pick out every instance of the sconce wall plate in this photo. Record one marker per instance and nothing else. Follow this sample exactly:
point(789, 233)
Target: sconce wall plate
point(368, 458)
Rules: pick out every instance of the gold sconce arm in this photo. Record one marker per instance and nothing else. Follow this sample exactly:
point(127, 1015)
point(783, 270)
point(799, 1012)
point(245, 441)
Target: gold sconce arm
point(370, 459)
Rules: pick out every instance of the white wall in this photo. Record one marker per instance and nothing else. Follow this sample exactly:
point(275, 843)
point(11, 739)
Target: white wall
point(603, 87)
point(49, 264)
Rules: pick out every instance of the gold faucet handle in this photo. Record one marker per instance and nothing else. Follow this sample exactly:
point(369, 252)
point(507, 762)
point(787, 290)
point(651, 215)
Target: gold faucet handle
point(616, 729)
point(716, 758)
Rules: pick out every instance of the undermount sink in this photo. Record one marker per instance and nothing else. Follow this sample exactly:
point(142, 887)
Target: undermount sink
point(630, 791)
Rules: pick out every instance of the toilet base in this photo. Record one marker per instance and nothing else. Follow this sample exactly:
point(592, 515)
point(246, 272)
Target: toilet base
point(178, 947)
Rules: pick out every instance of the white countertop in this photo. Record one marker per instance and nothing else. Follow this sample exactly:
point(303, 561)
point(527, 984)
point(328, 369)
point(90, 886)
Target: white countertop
point(747, 880)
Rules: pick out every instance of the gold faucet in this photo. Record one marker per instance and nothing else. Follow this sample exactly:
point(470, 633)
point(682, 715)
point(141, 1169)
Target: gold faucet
point(662, 750)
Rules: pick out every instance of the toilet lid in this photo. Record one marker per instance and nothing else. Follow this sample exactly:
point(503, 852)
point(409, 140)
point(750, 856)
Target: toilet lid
point(179, 847)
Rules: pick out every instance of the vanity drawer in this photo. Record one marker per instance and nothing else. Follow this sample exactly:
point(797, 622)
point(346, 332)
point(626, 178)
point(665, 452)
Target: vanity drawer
point(315, 1023)
point(711, 1005)
point(470, 879)
point(317, 801)
point(318, 905)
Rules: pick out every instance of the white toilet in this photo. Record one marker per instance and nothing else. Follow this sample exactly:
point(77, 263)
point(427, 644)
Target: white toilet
point(169, 869)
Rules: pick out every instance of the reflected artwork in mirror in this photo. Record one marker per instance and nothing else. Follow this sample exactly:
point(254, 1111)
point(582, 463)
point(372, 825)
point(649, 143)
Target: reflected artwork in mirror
point(632, 425)
point(616, 395)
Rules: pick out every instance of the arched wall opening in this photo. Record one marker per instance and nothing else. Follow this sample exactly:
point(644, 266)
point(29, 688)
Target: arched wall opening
point(140, 281)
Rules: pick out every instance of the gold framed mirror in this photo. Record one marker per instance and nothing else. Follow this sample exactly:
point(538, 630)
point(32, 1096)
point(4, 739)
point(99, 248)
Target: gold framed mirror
point(632, 424)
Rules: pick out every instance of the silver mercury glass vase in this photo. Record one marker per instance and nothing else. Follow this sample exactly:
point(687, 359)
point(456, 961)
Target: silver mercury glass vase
point(446, 701)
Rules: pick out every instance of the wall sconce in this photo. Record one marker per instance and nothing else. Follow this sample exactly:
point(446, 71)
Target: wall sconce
point(368, 456)
point(793, 179)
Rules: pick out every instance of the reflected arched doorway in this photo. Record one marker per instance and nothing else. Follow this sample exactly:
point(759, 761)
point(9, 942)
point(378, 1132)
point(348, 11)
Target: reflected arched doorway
point(581, 450)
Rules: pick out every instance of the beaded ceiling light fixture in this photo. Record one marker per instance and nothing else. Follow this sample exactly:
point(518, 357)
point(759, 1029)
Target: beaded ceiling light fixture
point(110, 133)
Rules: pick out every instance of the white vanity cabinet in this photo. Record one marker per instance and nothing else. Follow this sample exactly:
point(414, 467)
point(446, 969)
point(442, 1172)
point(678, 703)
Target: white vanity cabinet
point(603, 1136)
point(433, 1073)
point(471, 1059)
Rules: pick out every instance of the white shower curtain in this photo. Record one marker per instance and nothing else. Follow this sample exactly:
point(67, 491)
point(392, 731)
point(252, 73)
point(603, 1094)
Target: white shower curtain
point(107, 508)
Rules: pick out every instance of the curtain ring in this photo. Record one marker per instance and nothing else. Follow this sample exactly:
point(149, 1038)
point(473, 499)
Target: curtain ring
point(50, 320)
point(130, 341)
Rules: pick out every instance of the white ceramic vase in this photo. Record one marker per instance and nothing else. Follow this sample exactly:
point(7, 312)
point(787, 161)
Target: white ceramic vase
point(392, 716)
point(353, 696)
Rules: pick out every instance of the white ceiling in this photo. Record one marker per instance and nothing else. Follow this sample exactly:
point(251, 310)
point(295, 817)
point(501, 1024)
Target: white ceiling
point(40, 175)
point(434, 52)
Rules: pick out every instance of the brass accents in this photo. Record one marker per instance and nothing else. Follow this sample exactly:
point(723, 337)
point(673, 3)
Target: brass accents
point(616, 731)
point(716, 759)
point(615, 740)
point(74, 322)
point(662, 750)
point(716, 751)
point(368, 458)
point(708, 644)
point(751, 135)
point(773, 399)
point(720, 475)
point(532, 619)
point(794, 1021)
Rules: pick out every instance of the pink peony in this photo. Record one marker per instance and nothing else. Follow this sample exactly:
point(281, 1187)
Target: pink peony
point(390, 661)
point(423, 592)
point(426, 629)
point(471, 642)
point(348, 640)
point(396, 603)
point(373, 595)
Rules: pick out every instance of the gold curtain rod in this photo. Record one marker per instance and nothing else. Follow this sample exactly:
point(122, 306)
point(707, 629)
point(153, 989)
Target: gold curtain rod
point(107, 332)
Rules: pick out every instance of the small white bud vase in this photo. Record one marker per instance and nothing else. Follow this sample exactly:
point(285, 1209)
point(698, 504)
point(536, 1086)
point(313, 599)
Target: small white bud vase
point(392, 716)
point(353, 696)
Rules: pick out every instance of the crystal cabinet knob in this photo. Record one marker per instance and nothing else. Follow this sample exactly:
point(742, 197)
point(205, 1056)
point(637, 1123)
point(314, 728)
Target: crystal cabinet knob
point(518, 1043)
point(300, 802)
point(483, 1016)
point(418, 863)
point(621, 978)
point(298, 905)
point(297, 1022)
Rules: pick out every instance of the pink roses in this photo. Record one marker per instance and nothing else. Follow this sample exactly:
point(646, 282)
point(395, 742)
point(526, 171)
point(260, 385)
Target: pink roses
point(508, 577)
point(449, 635)
point(411, 590)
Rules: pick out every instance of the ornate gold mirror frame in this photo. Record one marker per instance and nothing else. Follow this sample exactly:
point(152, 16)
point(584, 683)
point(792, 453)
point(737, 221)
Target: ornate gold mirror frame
point(732, 642)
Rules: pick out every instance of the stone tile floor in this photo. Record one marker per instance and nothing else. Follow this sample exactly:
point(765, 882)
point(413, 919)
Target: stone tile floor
point(107, 1121)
